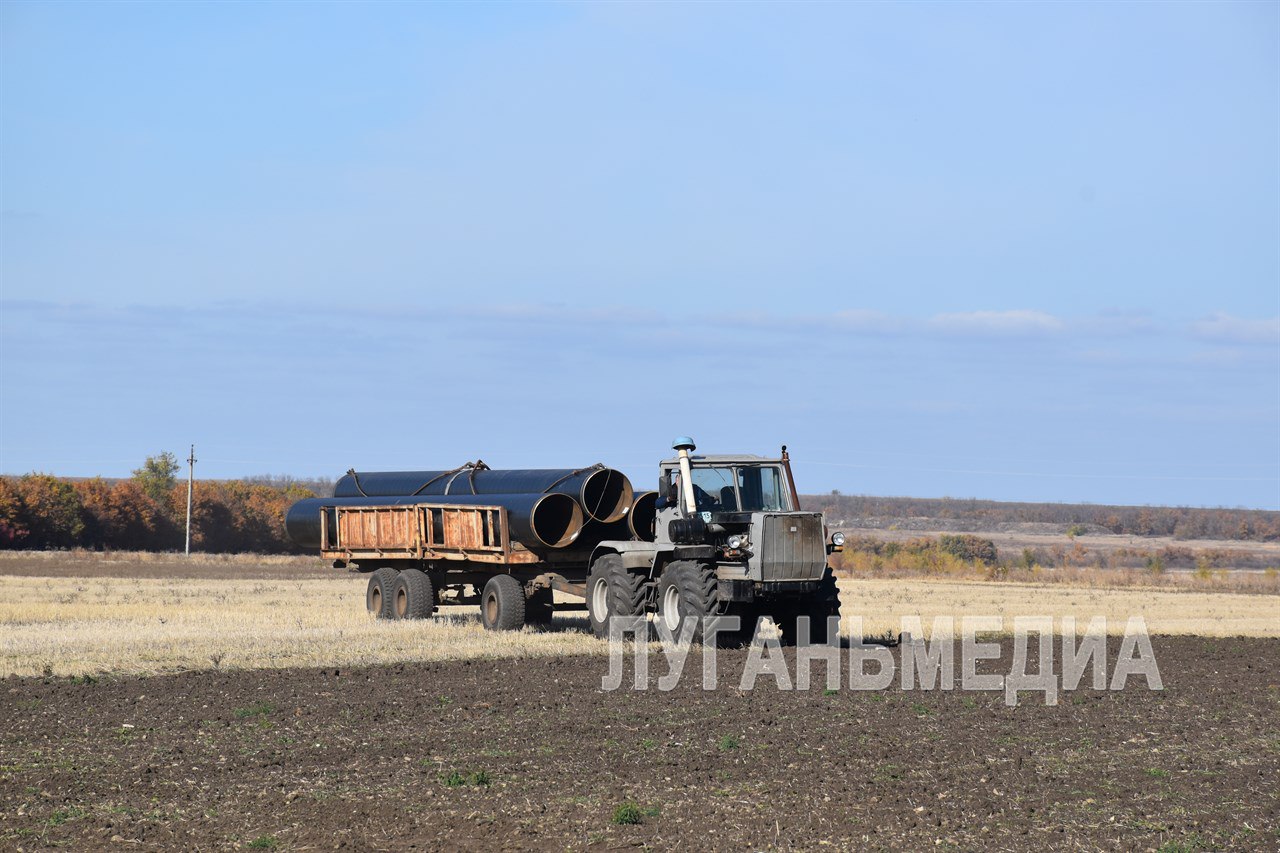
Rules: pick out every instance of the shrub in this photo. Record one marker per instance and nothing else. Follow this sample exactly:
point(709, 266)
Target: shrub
point(967, 547)
point(627, 814)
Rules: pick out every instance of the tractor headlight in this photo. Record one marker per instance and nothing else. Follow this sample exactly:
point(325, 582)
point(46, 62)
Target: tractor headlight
point(837, 539)
point(735, 542)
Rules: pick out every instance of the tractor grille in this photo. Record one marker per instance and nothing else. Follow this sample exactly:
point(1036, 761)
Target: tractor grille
point(792, 547)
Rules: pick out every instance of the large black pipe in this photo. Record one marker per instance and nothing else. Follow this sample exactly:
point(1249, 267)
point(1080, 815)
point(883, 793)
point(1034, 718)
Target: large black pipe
point(643, 514)
point(638, 525)
point(605, 494)
point(535, 521)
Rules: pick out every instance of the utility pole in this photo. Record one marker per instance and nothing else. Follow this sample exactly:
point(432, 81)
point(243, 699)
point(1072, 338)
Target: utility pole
point(191, 479)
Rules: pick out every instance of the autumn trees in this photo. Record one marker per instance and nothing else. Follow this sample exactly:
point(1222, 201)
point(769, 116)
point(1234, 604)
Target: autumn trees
point(146, 512)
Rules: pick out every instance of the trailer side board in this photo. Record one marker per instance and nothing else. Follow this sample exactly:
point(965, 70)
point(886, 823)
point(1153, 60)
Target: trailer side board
point(420, 532)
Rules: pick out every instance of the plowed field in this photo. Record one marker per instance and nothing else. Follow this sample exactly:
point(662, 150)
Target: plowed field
point(533, 754)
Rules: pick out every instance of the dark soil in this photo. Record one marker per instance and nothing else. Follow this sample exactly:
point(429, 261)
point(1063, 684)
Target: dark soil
point(519, 754)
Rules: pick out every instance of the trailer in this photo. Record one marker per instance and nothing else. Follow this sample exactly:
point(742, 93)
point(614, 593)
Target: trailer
point(423, 555)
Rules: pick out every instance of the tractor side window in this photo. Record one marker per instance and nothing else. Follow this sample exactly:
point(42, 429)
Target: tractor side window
point(668, 487)
point(761, 489)
point(713, 489)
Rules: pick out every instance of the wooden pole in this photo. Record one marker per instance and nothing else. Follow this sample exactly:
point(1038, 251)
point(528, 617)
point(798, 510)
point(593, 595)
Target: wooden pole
point(191, 478)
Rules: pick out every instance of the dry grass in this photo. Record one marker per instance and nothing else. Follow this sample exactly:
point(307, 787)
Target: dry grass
point(79, 625)
point(146, 625)
point(1166, 611)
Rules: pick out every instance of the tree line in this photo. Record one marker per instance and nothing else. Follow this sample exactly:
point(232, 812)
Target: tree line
point(1177, 521)
point(147, 512)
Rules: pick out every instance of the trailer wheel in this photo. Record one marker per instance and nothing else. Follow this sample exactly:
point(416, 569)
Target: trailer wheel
point(687, 590)
point(612, 591)
point(414, 597)
point(539, 608)
point(380, 594)
point(825, 602)
point(502, 604)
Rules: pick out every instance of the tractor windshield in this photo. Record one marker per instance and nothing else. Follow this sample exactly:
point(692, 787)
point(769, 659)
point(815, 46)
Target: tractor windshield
point(753, 488)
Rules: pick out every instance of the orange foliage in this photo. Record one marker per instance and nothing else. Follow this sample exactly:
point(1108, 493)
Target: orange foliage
point(39, 511)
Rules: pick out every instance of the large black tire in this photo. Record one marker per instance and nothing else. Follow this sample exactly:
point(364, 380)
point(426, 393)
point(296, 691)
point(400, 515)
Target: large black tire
point(539, 608)
point(687, 590)
point(612, 591)
point(823, 603)
point(502, 604)
point(748, 615)
point(379, 597)
point(414, 596)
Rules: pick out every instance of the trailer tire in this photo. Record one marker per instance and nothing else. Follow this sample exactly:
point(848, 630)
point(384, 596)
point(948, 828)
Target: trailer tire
point(380, 594)
point(502, 604)
point(539, 608)
point(414, 597)
point(687, 590)
point(612, 591)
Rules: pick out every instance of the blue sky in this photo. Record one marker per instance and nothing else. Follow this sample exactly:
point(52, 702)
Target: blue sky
point(1009, 251)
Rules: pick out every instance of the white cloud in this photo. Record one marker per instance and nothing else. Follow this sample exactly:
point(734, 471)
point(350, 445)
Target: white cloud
point(1224, 328)
point(1017, 322)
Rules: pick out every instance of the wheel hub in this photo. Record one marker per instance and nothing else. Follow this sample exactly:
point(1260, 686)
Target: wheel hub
point(671, 608)
point(600, 600)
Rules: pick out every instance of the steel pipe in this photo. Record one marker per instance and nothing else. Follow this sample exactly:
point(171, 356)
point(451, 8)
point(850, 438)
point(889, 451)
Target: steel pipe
point(536, 521)
point(604, 494)
point(638, 525)
point(644, 512)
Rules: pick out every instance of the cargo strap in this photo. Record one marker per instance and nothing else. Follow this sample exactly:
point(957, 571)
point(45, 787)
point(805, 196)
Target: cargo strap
point(470, 467)
point(591, 511)
point(355, 478)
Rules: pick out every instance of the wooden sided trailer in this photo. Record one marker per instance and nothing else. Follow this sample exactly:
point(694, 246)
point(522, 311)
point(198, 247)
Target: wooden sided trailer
point(426, 555)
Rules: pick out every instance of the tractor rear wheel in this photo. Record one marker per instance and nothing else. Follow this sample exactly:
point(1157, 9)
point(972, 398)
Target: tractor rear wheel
point(748, 617)
point(819, 606)
point(502, 604)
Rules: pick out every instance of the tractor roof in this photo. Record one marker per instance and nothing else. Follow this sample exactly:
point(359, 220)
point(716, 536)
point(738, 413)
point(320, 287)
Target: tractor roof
point(731, 459)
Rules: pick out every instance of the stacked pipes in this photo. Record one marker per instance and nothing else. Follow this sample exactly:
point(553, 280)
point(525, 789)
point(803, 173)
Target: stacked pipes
point(637, 525)
point(546, 508)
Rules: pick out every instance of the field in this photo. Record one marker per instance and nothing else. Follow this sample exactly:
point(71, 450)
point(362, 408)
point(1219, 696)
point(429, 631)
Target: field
point(80, 615)
point(287, 719)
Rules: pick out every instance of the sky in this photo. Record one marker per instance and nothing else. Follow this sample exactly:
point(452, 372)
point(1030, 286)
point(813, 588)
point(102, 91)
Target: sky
point(1006, 251)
